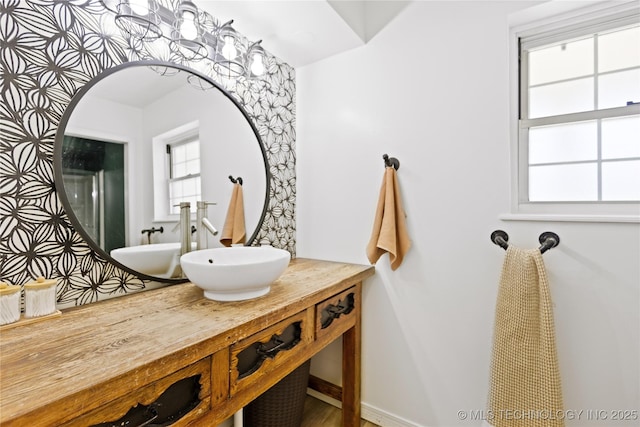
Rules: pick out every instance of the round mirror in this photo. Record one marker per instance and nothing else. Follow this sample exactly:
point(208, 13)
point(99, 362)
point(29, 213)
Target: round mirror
point(141, 138)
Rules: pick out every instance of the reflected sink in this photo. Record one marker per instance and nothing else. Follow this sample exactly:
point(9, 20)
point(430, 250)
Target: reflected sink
point(157, 259)
point(235, 273)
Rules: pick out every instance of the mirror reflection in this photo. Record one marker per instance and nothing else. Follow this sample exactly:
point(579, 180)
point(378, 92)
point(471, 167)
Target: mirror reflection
point(140, 141)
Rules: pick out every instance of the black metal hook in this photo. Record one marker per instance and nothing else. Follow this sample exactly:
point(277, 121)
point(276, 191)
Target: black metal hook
point(548, 240)
point(236, 180)
point(500, 238)
point(391, 161)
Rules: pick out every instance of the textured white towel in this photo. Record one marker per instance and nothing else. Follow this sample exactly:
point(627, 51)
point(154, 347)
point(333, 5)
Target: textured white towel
point(525, 380)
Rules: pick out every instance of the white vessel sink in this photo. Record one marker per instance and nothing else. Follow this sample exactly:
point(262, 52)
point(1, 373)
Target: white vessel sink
point(235, 273)
point(158, 259)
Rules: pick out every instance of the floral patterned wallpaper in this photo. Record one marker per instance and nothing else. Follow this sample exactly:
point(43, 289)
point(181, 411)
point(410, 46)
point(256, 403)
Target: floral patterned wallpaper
point(48, 50)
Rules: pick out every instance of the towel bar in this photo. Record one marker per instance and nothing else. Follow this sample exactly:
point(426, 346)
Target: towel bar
point(548, 240)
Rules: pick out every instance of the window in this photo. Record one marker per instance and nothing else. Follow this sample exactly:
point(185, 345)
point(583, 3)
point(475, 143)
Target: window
point(176, 170)
point(579, 113)
point(184, 173)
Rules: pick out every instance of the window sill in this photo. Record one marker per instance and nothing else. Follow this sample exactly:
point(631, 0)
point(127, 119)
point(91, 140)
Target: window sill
point(569, 218)
point(171, 218)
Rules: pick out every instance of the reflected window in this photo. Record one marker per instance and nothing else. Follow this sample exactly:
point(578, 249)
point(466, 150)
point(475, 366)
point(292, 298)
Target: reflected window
point(176, 171)
point(579, 111)
point(184, 173)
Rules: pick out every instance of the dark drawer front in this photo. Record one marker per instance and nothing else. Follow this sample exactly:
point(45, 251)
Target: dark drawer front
point(176, 399)
point(336, 314)
point(265, 352)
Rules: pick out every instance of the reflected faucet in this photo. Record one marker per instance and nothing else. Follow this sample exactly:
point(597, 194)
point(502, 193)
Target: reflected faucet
point(203, 225)
point(150, 231)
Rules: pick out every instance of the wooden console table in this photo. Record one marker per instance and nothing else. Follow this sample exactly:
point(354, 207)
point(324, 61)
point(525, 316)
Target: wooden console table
point(95, 362)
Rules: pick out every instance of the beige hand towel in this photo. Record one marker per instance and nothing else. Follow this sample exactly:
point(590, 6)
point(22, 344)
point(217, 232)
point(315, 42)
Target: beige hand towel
point(525, 380)
point(389, 228)
point(234, 229)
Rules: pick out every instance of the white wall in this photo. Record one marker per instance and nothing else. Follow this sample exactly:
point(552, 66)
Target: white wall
point(432, 90)
point(228, 146)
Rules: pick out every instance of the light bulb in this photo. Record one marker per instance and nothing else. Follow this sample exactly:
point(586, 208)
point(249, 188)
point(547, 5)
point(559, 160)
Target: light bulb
point(257, 66)
point(229, 50)
point(188, 27)
point(139, 7)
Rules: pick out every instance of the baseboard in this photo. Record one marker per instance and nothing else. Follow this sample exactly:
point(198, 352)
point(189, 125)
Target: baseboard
point(384, 418)
point(325, 387)
point(326, 399)
point(369, 412)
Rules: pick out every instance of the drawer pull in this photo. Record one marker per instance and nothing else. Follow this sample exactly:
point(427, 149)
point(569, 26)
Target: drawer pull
point(264, 351)
point(331, 312)
point(138, 416)
point(154, 416)
point(251, 358)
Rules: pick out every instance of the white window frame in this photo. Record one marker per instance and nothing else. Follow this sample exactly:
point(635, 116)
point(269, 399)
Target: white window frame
point(181, 140)
point(544, 31)
point(162, 169)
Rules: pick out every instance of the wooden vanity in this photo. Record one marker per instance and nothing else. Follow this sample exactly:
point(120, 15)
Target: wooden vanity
point(95, 362)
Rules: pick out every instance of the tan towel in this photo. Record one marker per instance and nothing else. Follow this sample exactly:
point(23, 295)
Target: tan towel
point(389, 227)
point(525, 380)
point(234, 229)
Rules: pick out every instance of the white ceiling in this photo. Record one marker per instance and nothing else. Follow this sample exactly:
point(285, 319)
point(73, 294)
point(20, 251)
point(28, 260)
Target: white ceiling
point(301, 32)
point(137, 86)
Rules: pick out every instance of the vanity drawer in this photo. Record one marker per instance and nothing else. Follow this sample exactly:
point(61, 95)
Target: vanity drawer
point(270, 352)
point(337, 314)
point(178, 399)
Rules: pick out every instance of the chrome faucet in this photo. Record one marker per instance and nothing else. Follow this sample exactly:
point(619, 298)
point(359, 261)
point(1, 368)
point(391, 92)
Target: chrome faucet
point(203, 225)
point(185, 227)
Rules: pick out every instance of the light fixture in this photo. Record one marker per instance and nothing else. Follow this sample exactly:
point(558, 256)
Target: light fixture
point(193, 35)
point(139, 19)
point(256, 59)
point(161, 51)
point(186, 35)
point(229, 60)
point(195, 80)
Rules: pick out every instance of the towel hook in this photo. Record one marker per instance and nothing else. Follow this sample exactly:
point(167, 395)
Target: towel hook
point(237, 180)
point(391, 161)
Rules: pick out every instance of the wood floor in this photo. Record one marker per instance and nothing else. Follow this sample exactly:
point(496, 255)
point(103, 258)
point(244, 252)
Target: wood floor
point(320, 414)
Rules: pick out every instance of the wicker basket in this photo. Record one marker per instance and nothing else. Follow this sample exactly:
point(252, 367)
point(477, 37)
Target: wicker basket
point(283, 404)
